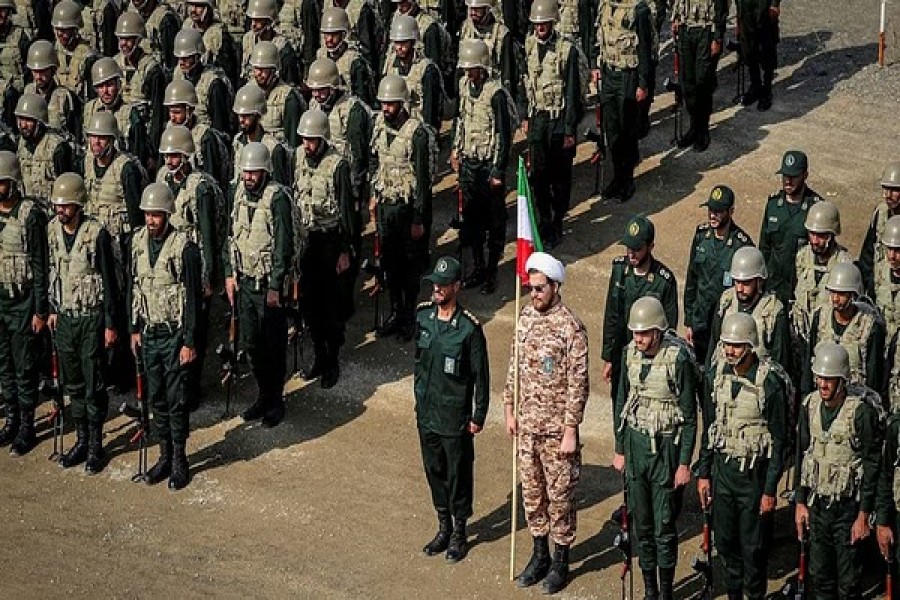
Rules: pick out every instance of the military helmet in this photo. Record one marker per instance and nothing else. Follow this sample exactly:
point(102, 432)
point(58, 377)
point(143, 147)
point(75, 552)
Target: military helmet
point(32, 106)
point(255, 157)
point(249, 100)
point(335, 20)
point(67, 15)
point(890, 178)
point(474, 53)
point(208, 3)
point(180, 91)
point(262, 9)
point(831, 360)
point(323, 73)
point(845, 277)
point(891, 235)
point(188, 42)
point(131, 24)
point(823, 217)
point(392, 88)
point(8, 4)
point(748, 263)
point(647, 313)
point(105, 69)
point(480, 3)
point(102, 123)
point(314, 124)
point(68, 188)
point(157, 197)
point(177, 139)
point(265, 56)
point(739, 328)
point(41, 55)
point(404, 29)
point(544, 11)
point(9, 166)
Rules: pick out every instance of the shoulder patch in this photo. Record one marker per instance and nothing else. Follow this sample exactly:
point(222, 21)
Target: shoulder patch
point(426, 304)
point(470, 316)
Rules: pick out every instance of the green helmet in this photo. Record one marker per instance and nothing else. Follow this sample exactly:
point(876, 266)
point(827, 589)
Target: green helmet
point(544, 11)
point(831, 360)
point(739, 328)
point(249, 100)
point(890, 178)
point(323, 73)
point(255, 157)
point(823, 217)
point(314, 124)
point(392, 88)
point(67, 15)
point(474, 53)
point(188, 42)
point(9, 166)
point(404, 29)
point(845, 277)
point(335, 20)
point(41, 55)
point(157, 197)
point(104, 70)
point(102, 123)
point(177, 139)
point(265, 56)
point(262, 9)
point(748, 263)
point(180, 91)
point(647, 313)
point(131, 24)
point(68, 188)
point(32, 106)
point(891, 235)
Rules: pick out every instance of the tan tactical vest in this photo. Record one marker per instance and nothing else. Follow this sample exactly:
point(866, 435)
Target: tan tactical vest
point(37, 166)
point(122, 113)
point(492, 37)
point(344, 62)
point(339, 123)
point(694, 12)
point(237, 144)
point(252, 241)
point(395, 178)
point(152, 44)
point(315, 193)
point(187, 215)
point(249, 41)
point(133, 81)
point(290, 23)
point(764, 313)
point(12, 63)
point(476, 137)
point(92, 16)
point(894, 384)
point(209, 75)
point(76, 284)
point(158, 291)
point(809, 295)
point(273, 120)
point(15, 264)
point(106, 195)
point(887, 298)
point(740, 430)
point(546, 82)
point(854, 339)
point(569, 23)
point(73, 72)
point(414, 80)
point(24, 17)
point(618, 29)
point(59, 105)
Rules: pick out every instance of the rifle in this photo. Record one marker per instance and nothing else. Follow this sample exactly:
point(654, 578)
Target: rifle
point(676, 88)
point(143, 420)
point(889, 579)
point(57, 414)
point(230, 357)
point(458, 221)
point(735, 46)
point(597, 136)
point(797, 590)
point(374, 269)
point(703, 566)
point(622, 541)
point(298, 330)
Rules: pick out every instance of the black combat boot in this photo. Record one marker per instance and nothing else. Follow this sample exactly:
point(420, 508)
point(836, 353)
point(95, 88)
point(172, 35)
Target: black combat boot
point(332, 371)
point(274, 413)
point(738, 595)
point(538, 564)
point(181, 474)
point(477, 276)
point(77, 453)
point(11, 427)
point(163, 465)
point(558, 576)
point(752, 94)
point(392, 323)
point(255, 411)
point(765, 96)
point(666, 579)
point(459, 545)
point(25, 439)
point(701, 142)
point(651, 587)
point(95, 455)
point(320, 352)
point(441, 539)
point(690, 136)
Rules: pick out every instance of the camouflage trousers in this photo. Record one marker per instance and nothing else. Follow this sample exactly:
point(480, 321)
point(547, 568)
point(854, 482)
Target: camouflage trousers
point(548, 487)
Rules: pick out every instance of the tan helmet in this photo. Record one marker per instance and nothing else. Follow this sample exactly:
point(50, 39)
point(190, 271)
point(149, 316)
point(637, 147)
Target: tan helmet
point(748, 263)
point(845, 277)
point(544, 11)
point(32, 106)
point(102, 123)
point(831, 360)
point(739, 328)
point(323, 73)
point(255, 157)
point(314, 124)
point(404, 29)
point(41, 55)
point(180, 91)
point(188, 42)
point(208, 3)
point(157, 197)
point(891, 235)
point(249, 100)
point(823, 217)
point(890, 178)
point(67, 15)
point(335, 20)
point(68, 188)
point(474, 53)
point(262, 9)
point(392, 88)
point(131, 24)
point(647, 313)
point(177, 139)
point(265, 56)
point(480, 3)
point(10, 4)
point(9, 166)
point(104, 70)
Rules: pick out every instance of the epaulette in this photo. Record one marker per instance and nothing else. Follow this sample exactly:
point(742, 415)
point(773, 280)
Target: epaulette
point(426, 304)
point(740, 235)
point(702, 227)
point(664, 272)
point(619, 260)
point(471, 317)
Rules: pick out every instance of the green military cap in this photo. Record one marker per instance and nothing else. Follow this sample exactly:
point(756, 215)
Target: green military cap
point(447, 270)
point(720, 198)
point(793, 163)
point(638, 232)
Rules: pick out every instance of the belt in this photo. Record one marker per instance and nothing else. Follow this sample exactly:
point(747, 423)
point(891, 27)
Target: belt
point(156, 328)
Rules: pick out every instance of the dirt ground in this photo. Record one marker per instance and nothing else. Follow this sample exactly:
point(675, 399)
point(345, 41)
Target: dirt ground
point(333, 503)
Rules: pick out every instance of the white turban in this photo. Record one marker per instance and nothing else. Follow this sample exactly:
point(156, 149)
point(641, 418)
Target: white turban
point(546, 264)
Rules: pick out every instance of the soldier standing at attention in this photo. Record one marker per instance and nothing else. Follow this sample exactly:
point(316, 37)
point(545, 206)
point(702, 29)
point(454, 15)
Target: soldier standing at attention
point(14, 43)
point(284, 103)
point(75, 56)
point(42, 152)
point(655, 418)
point(554, 388)
point(214, 89)
point(220, 49)
point(758, 21)
point(887, 298)
point(422, 75)
point(452, 388)
point(250, 107)
point(162, 25)
point(43, 64)
point(355, 71)
point(872, 256)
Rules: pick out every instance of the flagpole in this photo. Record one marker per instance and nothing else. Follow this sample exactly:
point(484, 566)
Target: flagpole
point(514, 496)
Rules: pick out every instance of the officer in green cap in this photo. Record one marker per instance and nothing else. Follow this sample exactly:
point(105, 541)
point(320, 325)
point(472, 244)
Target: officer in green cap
point(635, 274)
point(872, 257)
point(746, 432)
point(783, 230)
point(452, 388)
point(709, 267)
point(841, 434)
point(758, 22)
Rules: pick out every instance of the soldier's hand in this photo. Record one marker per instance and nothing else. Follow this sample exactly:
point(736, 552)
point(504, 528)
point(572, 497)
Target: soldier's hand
point(704, 487)
point(37, 324)
point(496, 183)
point(373, 207)
point(675, 25)
point(682, 476)
point(110, 337)
point(273, 298)
point(860, 529)
point(568, 142)
point(607, 372)
point(51, 321)
point(774, 13)
point(801, 519)
point(715, 48)
point(689, 335)
point(343, 263)
point(619, 462)
point(187, 355)
point(512, 426)
point(207, 291)
point(417, 231)
point(640, 95)
point(135, 343)
point(596, 76)
point(569, 443)
point(885, 537)
point(473, 428)
point(525, 126)
point(231, 285)
point(454, 161)
point(766, 504)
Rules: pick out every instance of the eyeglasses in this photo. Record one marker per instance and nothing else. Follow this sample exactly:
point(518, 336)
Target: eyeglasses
point(537, 289)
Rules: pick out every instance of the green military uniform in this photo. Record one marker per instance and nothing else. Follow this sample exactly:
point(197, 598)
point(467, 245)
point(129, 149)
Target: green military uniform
point(143, 85)
point(65, 114)
point(887, 500)
point(74, 61)
point(759, 41)
point(502, 45)
point(284, 106)
point(423, 77)
point(771, 322)
point(99, 17)
point(114, 193)
point(355, 72)
point(43, 157)
point(214, 92)
point(289, 63)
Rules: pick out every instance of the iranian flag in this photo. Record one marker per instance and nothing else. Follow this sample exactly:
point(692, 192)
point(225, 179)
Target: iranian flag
point(528, 239)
